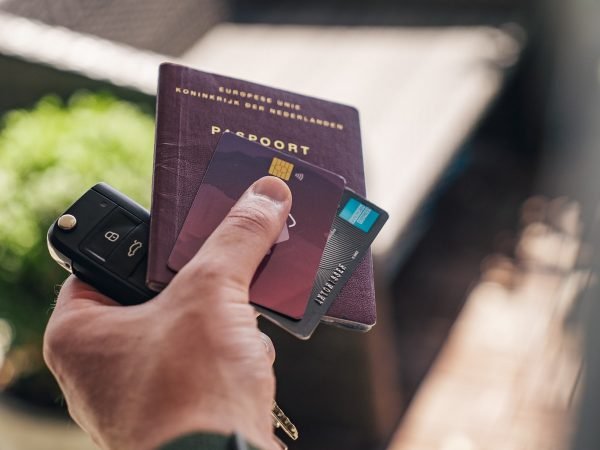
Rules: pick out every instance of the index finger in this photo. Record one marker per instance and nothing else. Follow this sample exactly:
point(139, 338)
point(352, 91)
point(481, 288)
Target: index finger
point(75, 292)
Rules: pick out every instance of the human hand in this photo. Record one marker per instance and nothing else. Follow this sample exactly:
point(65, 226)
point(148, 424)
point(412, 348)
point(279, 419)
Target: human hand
point(191, 359)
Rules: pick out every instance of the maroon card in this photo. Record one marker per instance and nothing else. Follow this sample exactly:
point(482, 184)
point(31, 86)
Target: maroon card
point(285, 278)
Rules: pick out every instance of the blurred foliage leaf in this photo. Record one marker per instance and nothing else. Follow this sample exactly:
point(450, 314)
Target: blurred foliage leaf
point(49, 156)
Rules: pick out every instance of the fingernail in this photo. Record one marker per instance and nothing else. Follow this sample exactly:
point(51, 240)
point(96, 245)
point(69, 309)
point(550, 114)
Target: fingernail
point(267, 346)
point(272, 187)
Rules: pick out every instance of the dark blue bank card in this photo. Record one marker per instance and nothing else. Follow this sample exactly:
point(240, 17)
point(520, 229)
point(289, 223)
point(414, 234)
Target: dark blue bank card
point(356, 225)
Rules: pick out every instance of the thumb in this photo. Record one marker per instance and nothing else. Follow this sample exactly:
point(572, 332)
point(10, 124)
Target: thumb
point(238, 245)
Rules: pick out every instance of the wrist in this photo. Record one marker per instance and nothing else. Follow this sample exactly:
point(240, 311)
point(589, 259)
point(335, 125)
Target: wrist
point(208, 441)
point(162, 428)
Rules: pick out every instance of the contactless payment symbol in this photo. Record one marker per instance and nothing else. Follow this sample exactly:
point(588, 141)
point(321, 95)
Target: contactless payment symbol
point(285, 231)
point(281, 169)
point(292, 222)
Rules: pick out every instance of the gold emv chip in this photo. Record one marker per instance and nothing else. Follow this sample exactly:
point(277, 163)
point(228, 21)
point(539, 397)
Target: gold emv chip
point(281, 169)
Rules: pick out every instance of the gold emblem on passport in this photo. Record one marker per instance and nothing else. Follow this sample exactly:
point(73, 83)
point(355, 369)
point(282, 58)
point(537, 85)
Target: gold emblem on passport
point(281, 169)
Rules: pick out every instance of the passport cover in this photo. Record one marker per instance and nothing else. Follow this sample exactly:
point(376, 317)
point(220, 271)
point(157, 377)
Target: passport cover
point(194, 108)
point(284, 280)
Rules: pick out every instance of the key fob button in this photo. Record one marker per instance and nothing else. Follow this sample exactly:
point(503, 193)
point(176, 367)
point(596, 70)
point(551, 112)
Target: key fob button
point(110, 234)
point(138, 277)
point(66, 222)
point(130, 251)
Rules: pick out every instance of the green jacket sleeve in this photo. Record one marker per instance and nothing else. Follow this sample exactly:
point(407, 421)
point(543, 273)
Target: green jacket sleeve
point(208, 441)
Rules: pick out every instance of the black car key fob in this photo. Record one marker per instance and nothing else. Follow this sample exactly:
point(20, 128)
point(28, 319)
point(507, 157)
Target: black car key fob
point(103, 240)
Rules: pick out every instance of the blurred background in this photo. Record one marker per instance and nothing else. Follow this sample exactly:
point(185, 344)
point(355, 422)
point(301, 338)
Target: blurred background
point(481, 139)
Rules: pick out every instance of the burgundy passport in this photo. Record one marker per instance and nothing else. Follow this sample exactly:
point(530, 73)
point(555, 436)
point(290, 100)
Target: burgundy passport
point(284, 280)
point(194, 108)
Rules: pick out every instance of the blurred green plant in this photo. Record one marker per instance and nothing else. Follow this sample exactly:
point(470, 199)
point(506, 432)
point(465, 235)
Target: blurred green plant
point(49, 156)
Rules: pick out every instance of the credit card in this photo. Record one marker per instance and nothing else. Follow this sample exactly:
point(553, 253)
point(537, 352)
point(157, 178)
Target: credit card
point(285, 278)
point(356, 224)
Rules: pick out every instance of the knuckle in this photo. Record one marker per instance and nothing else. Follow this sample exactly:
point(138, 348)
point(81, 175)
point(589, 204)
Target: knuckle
point(263, 377)
point(250, 219)
point(269, 347)
point(206, 272)
point(206, 280)
point(56, 340)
